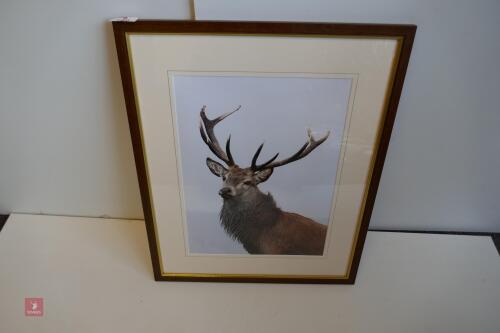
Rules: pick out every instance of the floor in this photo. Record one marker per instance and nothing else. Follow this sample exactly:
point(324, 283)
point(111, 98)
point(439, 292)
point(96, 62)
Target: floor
point(95, 276)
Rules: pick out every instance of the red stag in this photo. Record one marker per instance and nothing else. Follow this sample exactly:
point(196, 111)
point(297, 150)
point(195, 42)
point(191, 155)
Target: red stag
point(252, 217)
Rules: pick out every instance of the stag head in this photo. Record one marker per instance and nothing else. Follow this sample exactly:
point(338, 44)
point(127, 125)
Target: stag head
point(238, 181)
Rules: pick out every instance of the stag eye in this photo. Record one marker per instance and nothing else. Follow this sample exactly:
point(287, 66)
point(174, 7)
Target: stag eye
point(248, 182)
point(224, 178)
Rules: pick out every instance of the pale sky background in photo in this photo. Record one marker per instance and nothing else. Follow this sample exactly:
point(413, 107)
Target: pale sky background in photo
point(274, 110)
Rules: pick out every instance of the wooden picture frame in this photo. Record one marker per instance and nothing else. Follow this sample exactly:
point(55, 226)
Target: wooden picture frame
point(376, 57)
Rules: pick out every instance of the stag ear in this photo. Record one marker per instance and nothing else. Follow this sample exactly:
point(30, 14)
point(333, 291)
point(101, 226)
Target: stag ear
point(216, 168)
point(262, 175)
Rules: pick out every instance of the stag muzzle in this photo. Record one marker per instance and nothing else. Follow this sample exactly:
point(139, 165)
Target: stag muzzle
point(225, 192)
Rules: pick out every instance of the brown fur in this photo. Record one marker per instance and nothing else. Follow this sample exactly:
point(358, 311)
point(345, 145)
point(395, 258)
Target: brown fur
point(263, 228)
point(294, 234)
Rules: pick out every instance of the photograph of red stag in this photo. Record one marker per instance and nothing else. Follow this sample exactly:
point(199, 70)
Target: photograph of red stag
point(252, 217)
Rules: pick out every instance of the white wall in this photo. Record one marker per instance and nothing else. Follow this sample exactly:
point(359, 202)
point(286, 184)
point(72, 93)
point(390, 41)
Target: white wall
point(64, 142)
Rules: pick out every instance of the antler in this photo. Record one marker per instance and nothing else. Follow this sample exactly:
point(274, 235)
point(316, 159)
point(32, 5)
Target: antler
point(308, 147)
point(208, 135)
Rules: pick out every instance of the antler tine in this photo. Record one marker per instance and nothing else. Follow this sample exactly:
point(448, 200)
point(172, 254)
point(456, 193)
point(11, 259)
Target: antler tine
point(307, 148)
point(207, 134)
point(228, 151)
point(254, 165)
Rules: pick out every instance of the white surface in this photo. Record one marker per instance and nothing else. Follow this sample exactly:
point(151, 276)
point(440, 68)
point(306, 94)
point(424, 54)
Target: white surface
point(95, 276)
point(64, 141)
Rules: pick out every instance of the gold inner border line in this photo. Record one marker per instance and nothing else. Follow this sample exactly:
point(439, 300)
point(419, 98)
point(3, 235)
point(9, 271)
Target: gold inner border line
point(393, 71)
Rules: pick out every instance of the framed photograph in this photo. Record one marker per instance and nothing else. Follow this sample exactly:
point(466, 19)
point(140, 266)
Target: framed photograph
point(259, 146)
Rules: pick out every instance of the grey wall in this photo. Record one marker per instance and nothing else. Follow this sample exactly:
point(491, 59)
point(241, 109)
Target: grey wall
point(64, 144)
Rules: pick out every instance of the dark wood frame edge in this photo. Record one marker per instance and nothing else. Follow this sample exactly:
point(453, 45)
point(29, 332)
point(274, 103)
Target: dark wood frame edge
point(3, 220)
point(128, 92)
point(390, 117)
point(405, 32)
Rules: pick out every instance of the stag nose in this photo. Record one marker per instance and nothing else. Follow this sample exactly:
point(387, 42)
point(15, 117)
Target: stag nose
point(224, 192)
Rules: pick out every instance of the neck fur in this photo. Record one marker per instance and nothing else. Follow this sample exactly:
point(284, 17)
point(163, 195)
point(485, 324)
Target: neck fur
point(245, 220)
